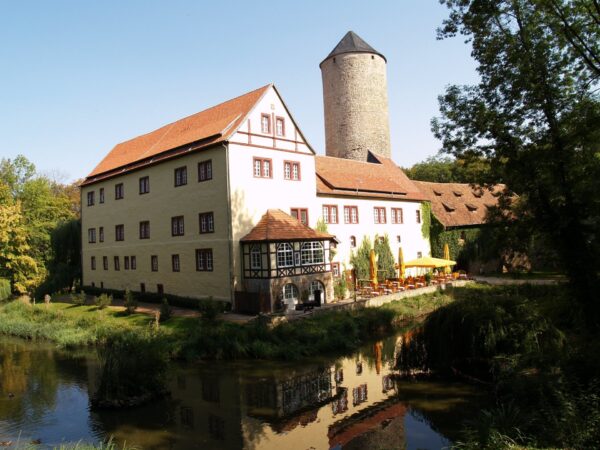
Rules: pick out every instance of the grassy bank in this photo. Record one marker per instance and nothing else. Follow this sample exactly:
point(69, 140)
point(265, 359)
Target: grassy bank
point(71, 325)
point(530, 346)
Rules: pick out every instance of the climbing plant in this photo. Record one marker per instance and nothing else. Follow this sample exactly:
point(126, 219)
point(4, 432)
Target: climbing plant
point(425, 219)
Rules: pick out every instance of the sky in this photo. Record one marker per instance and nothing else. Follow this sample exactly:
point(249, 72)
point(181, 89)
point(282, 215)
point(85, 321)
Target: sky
point(76, 78)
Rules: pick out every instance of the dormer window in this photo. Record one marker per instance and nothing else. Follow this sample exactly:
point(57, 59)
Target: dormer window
point(438, 193)
point(265, 123)
point(457, 193)
point(447, 207)
point(280, 126)
point(471, 207)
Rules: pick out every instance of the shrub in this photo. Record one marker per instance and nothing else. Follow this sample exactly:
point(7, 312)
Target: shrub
point(130, 302)
point(165, 311)
point(148, 297)
point(210, 308)
point(103, 300)
point(78, 298)
point(339, 288)
point(4, 289)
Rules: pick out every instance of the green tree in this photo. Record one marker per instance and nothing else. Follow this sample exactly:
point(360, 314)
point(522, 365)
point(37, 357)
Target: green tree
point(385, 258)
point(534, 115)
point(443, 169)
point(360, 259)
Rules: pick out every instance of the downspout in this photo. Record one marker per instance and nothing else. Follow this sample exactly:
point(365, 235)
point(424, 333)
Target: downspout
point(229, 229)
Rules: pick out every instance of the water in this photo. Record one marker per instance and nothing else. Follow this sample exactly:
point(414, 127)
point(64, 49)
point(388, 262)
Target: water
point(351, 402)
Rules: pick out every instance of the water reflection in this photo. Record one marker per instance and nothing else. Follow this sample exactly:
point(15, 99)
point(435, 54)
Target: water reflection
point(352, 402)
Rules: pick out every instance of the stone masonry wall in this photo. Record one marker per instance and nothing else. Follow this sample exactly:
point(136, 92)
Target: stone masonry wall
point(356, 106)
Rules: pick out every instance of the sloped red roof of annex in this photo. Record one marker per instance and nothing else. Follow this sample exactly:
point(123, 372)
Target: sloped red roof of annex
point(460, 204)
point(275, 225)
point(364, 179)
point(213, 124)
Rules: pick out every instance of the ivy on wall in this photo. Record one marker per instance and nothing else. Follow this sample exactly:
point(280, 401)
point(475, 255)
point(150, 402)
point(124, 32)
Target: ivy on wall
point(461, 250)
point(426, 219)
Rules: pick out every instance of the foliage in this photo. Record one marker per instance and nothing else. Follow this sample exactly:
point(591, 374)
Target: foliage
point(340, 287)
point(360, 259)
point(130, 302)
point(461, 250)
point(4, 289)
point(534, 115)
point(134, 366)
point(442, 169)
point(426, 219)
point(166, 311)
point(103, 300)
point(385, 261)
point(150, 297)
point(211, 308)
point(78, 298)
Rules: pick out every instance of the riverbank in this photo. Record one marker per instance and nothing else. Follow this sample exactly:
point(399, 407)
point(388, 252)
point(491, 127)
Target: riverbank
point(190, 337)
point(530, 346)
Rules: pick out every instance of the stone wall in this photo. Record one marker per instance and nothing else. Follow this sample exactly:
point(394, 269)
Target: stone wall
point(356, 106)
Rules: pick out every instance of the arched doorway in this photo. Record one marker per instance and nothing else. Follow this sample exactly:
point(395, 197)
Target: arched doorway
point(316, 285)
point(290, 295)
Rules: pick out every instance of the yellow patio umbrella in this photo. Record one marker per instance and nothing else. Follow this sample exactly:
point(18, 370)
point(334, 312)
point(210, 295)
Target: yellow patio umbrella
point(400, 265)
point(373, 267)
point(446, 256)
point(430, 263)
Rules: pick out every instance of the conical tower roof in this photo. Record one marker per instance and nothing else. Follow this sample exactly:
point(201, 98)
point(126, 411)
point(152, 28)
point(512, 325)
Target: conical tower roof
point(352, 43)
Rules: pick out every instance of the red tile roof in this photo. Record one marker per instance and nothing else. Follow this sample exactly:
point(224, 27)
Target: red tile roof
point(207, 127)
point(275, 225)
point(382, 179)
point(460, 204)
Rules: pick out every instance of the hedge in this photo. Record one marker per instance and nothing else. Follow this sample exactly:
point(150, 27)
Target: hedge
point(4, 288)
point(154, 297)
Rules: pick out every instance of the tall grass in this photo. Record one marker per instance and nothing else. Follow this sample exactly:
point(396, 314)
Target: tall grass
point(4, 289)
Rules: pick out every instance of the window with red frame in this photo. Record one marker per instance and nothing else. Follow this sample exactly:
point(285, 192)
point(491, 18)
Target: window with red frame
point(397, 215)
point(350, 214)
point(291, 170)
point(262, 168)
point(379, 214)
point(265, 123)
point(330, 213)
point(301, 214)
point(280, 126)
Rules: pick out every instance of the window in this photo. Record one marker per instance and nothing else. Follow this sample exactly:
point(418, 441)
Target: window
point(154, 263)
point(379, 214)
point(216, 427)
point(398, 239)
point(300, 214)
point(101, 234)
point(311, 253)
point(265, 123)
point(105, 262)
point(93, 263)
point(207, 222)
point(177, 228)
point(285, 255)
point(117, 265)
point(335, 269)
point(419, 254)
point(142, 287)
point(255, 258)
point(205, 170)
point(144, 185)
point(187, 417)
point(291, 170)
point(119, 193)
point(90, 198)
point(316, 286)
point(160, 288)
point(91, 235)
point(290, 292)
point(145, 229)
point(119, 232)
point(397, 215)
point(350, 214)
point(262, 168)
point(126, 262)
point(330, 214)
point(180, 176)
point(204, 260)
point(101, 195)
point(418, 216)
point(175, 263)
point(352, 241)
point(133, 262)
point(280, 126)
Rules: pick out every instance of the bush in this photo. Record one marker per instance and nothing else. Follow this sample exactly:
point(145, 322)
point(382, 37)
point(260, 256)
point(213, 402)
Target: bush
point(4, 289)
point(78, 298)
point(130, 302)
point(165, 310)
point(103, 300)
point(210, 308)
point(148, 297)
point(340, 287)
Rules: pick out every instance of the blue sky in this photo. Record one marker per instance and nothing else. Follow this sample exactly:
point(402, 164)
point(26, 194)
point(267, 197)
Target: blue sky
point(78, 77)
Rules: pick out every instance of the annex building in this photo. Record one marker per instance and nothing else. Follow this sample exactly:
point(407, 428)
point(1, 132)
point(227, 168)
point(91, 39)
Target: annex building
point(225, 203)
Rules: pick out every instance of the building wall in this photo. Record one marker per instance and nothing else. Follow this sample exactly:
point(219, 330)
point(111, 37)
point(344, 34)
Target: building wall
point(356, 106)
point(158, 206)
point(411, 237)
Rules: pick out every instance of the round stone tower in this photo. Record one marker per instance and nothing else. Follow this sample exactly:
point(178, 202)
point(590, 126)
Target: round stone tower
point(355, 99)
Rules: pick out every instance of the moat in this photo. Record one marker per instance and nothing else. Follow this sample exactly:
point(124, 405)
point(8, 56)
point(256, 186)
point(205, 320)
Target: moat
point(349, 402)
